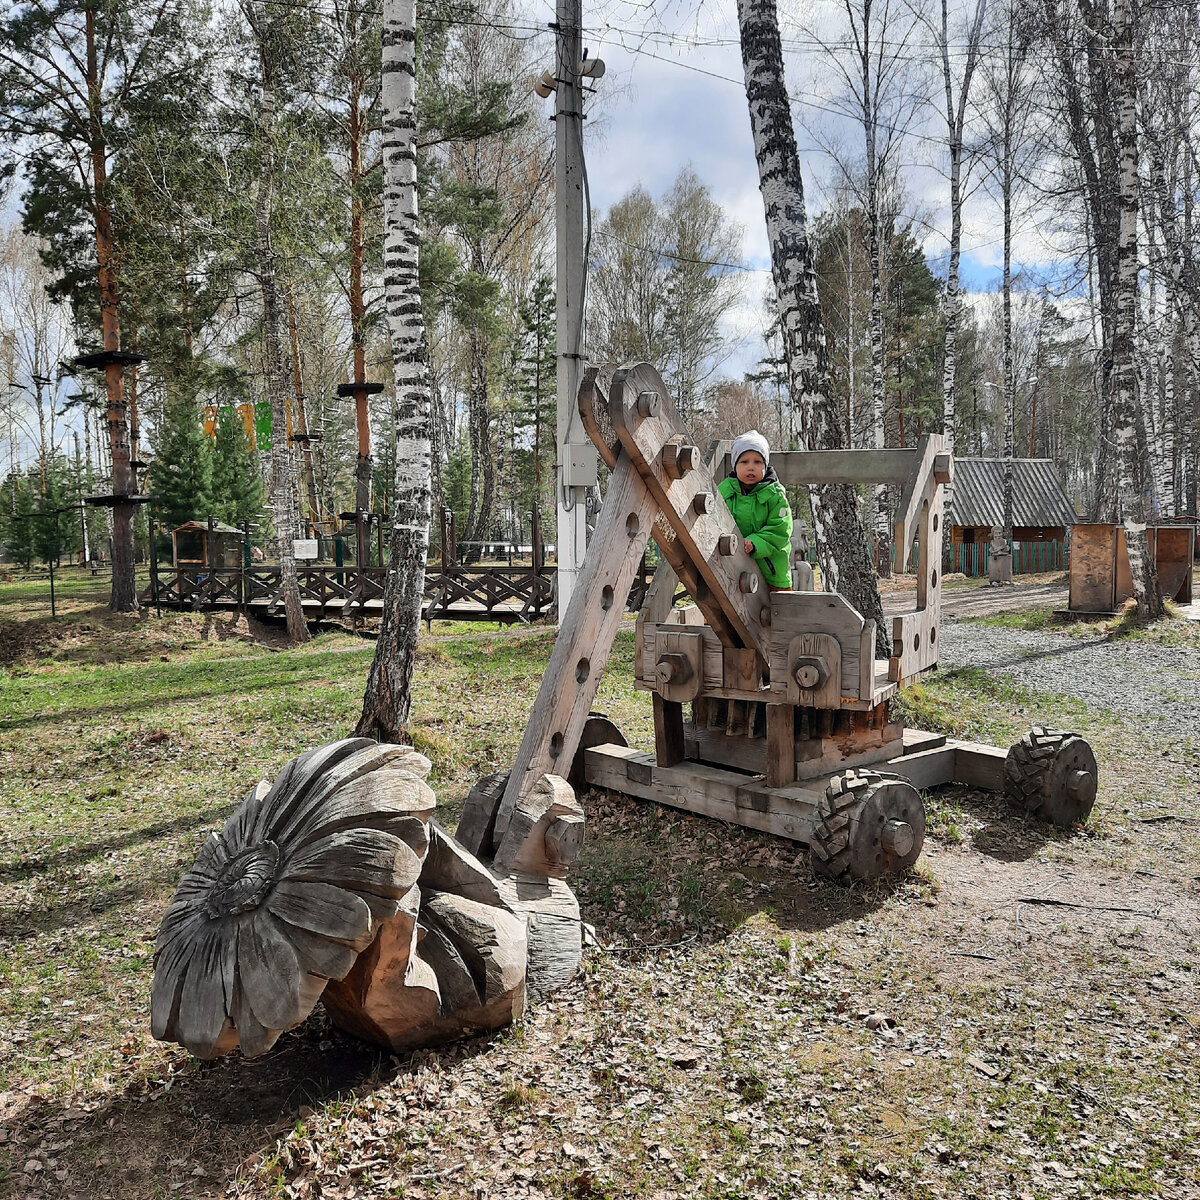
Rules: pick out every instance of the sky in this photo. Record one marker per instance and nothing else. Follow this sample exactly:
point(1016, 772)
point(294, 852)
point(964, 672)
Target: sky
point(673, 96)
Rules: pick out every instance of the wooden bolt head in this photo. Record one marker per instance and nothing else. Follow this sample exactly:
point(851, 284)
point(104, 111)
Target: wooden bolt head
point(810, 672)
point(764, 616)
point(702, 503)
point(648, 404)
point(727, 544)
point(897, 837)
point(748, 583)
point(672, 668)
point(687, 458)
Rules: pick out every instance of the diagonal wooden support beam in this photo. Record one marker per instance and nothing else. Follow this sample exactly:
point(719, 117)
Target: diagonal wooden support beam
point(721, 577)
point(585, 637)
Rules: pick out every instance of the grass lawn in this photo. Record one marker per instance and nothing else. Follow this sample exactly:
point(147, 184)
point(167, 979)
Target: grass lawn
point(1016, 1018)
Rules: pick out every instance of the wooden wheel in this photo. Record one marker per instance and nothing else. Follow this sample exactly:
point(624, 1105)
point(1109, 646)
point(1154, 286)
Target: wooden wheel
point(1052, 774)
point(598, 730)
point(869, 824)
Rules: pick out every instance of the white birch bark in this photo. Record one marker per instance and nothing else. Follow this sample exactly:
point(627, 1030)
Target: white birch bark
point(1131, 503)
point(387, 701)
point(841, 545)
point(956, 118)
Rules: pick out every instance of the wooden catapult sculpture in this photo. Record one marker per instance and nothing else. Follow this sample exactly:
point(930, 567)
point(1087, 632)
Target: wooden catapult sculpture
point(791, 729)
point(337, 883)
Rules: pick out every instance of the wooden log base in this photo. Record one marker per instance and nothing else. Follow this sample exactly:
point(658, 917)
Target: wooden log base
point(849, 744)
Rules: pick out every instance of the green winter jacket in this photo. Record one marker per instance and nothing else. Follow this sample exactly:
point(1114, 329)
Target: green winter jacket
point(763, 516)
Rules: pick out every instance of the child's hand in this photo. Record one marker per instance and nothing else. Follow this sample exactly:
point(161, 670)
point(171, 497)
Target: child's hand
point(748, 546)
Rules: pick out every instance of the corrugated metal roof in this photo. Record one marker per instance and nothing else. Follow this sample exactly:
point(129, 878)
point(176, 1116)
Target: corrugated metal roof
point(1038, 495)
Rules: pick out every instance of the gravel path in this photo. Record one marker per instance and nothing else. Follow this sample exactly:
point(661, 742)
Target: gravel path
point(1141, 681)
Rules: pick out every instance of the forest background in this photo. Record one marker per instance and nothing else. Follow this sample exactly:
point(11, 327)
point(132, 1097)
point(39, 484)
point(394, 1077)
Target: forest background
point(240, 145)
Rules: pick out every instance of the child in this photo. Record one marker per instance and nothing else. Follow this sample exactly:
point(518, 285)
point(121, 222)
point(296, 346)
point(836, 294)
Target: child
point(760, 507)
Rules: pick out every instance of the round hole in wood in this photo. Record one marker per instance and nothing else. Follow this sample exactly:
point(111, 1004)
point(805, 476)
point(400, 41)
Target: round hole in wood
point(632, 525)
point(583, 668)
point(933, 579)
point(556, 745)
point(935, 522)
point(606, 597)
point(916, 641)
point(933, 635)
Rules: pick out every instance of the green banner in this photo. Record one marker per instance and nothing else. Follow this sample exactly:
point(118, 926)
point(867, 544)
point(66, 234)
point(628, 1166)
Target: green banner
point(262, 424)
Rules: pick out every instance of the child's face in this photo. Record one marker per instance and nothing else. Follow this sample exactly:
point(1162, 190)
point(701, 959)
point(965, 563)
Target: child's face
point(750, 468)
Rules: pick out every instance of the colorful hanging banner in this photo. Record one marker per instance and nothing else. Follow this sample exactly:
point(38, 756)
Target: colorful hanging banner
point(208, 419)
point(246, 412)
point(262, 424)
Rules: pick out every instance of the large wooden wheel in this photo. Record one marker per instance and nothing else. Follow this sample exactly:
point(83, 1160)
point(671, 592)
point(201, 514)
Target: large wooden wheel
point(1052, 774)
point(869, 824)
point(285, 897)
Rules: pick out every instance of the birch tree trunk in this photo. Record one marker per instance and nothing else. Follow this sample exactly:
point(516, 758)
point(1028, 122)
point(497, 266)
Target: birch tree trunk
point(1131, 498)
point(274, 368)
point(841, 544)
point(956, 116)
point(388, 698)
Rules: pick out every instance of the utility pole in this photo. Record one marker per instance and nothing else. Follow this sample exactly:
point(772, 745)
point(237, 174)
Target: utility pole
point(576, 455)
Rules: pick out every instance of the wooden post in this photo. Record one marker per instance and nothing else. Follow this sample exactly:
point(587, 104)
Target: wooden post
point(781, 745)
point(668, 731)
point(585, 637)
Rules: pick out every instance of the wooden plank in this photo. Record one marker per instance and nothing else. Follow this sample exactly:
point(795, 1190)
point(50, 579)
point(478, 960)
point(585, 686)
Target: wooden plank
point(682, 651)
point(706, 791)
point(922, 739)
point(866, 664)
point(919, 490)
point(914, 635)
point(926, 768)
point(1173, 560)
point(977, 765)
point(740, 669)
point(735, 615)
point(796, 467)
point(1092, 585)
point(781, 745)
point(795, 613)
point(821, 650)
point(668, 731)
point(585, 638)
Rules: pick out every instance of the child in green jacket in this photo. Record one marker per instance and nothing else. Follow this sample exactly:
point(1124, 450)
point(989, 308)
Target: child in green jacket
point(760, 507)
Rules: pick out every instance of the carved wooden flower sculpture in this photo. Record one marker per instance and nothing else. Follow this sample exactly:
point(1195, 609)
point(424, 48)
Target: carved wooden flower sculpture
point(285, 897)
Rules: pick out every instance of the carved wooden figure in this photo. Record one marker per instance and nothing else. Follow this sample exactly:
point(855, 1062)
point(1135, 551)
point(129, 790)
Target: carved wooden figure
point(336, 883)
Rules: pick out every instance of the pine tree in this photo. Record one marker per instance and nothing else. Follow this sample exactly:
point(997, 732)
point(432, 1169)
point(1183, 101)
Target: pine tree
point(17, 527)
point(182, 475)
point(237, 489)
point(534, 367)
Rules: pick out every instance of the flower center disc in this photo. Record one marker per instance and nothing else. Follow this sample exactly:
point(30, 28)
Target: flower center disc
point(243, 881)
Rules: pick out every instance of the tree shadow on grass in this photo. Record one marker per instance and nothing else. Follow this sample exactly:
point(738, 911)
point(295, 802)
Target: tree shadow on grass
point(652, 877)
point(986, 819)
point(77, 855)
point(192, 1128)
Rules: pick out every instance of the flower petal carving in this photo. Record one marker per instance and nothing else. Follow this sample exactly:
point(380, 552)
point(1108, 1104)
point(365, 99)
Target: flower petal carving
point(288, 893)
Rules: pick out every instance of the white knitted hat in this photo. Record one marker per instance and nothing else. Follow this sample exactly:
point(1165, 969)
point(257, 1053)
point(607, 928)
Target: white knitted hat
point(751, 440)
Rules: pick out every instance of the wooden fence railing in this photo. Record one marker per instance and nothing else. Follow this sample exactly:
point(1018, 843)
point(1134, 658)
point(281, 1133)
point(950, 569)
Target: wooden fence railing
point(483, 592)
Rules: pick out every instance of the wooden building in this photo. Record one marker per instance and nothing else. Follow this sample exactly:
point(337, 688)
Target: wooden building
point(207, 544)
point(1043, 514)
